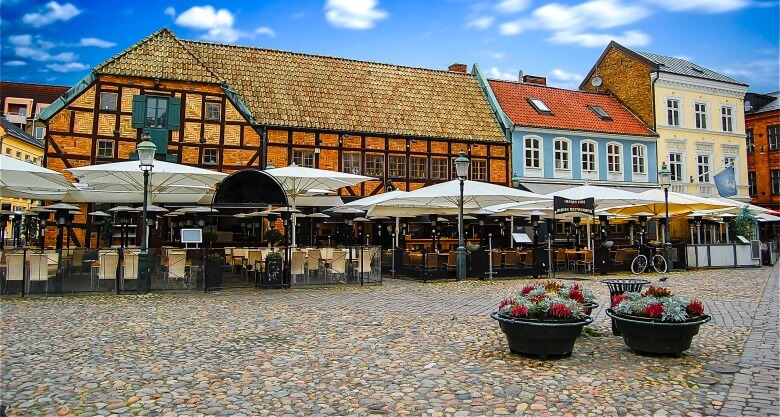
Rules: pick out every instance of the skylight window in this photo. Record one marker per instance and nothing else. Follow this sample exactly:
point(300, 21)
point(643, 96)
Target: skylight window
point(600, 112)
point(539, 106)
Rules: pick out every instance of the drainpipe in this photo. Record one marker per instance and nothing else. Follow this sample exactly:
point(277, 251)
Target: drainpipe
point(652, 91)
point(264, 147)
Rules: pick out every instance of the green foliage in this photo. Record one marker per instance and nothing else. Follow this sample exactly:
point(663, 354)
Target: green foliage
point(273, 236)
point(209, 235)
point(274, 255)
point(745, 223)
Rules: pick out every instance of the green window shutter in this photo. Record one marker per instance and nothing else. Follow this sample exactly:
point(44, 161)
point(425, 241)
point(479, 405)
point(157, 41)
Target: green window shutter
point(160, 139)
point(174, 108)
point(139, 111)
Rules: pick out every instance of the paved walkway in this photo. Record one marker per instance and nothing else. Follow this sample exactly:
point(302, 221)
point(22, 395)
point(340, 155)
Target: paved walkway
point(400, 349)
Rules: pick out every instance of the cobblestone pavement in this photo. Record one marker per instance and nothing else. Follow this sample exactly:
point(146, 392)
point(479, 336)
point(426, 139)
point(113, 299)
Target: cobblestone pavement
point(400, 349)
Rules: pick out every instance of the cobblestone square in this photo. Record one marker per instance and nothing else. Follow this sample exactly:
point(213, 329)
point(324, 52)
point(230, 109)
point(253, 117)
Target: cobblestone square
point(400, 349)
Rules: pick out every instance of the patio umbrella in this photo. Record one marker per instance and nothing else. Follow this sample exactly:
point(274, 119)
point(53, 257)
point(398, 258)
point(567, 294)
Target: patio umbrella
point(678, 204)
point(124, 181)
point(19, 179)
point(476, 195)
point(603, 196)
point(301, 181)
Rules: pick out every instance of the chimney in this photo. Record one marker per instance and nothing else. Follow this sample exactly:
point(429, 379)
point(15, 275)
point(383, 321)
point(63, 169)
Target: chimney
point(458, 67)
point(534, 79)
point(520, 76)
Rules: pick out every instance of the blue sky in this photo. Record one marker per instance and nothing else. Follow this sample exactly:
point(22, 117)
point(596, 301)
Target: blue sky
point(59, 41)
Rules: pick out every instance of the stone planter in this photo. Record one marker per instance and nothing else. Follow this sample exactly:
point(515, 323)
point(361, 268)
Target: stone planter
point(642, 334)
point(541, 337)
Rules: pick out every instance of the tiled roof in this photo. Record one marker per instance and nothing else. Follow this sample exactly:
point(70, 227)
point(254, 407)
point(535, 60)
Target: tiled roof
point(569, 109)
point(298, 90)
point(682, 67)
point(38, 92)
point(20, 134)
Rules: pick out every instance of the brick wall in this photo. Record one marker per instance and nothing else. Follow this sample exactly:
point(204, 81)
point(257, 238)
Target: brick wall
point(762, 161)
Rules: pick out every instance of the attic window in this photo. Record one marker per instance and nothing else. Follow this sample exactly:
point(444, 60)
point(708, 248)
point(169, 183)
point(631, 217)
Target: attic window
point(539, 106)
point(599, 112)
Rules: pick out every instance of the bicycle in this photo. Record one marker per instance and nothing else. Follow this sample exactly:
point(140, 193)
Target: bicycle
point(641, 261)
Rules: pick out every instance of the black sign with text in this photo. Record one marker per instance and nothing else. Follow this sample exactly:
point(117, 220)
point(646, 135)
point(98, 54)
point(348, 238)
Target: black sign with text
point(567, 205)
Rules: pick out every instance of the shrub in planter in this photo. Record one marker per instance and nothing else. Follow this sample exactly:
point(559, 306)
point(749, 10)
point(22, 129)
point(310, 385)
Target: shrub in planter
point(273, 236)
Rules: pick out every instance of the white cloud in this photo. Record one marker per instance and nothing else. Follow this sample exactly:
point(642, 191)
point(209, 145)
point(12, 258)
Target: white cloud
point(265, 31)
point(56, 12)
point(495, 73)
point(69, 67)
point(227, 35)
point(512, 28)
point(629, 38)
point(96, 42)
point(353, 14)
point(497, 55)
point(756, 72)
point(41, 55)
point(20, 40)
point(15, 63)
point(481, 22)
point(512, 6)
point(205, 17)
point(601, 14)
point(170, 11)
point(559, 74)
point(705, 6)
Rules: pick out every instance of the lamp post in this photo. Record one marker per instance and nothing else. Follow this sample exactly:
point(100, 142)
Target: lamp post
point(665, 179)
point(146, 151)
point(461, 169)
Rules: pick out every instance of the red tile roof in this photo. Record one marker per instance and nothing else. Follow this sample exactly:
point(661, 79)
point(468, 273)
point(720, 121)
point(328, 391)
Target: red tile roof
point(569, 108)
point(40, 93)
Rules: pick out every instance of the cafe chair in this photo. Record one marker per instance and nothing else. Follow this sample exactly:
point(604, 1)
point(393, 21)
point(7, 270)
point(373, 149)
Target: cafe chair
point(130, 268)
point(177, 261)
point(452, 260)
point(586, 263)
point(108, 262)
point(510, 259)
point(561, 261)
point(314, 263)
point(298, 264)
point(338, 266)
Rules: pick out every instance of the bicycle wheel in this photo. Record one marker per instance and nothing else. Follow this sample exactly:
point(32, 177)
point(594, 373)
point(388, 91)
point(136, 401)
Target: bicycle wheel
point(659, 263)
point(639, 264)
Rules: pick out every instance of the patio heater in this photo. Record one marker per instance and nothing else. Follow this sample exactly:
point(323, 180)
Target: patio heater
point(461, 169)
point(642, 228)
point(146, 151)
point(604, 223)
point(535, 226)
point(102, 216)
point(577, 230)
point(16, 228)
point(43, 215)
point(62, 213)
point(4, 214)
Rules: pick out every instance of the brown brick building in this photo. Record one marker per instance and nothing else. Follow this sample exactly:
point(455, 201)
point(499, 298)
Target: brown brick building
point(762, 128)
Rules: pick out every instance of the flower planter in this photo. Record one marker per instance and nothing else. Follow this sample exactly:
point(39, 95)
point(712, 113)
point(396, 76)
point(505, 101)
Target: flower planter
point(648, 335)
point(589, 307)
point(541, 337)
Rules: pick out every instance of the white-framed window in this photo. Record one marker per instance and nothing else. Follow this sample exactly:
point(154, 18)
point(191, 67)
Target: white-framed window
point(40, 132)
point(639, 162)
point(731, 160)
point(700, 115)
point(590, 159)
point(303, 158)
point(562, 157)
point(439, 168)
point(673, 112)
point(677, 166)
point(105, 148)
point(704, 167)
point(727, 118)
point(479, 170)
point(108, 100)
point(614, 161)
point(213, 111)
point(351, 163)
point(210, 156)
point(533, 156)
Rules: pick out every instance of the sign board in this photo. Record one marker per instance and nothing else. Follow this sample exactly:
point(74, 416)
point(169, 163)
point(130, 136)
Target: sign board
point(568, 205)
point(273, 272)
point(755, 249)
point(191, 236)
point(521, 238)
point(743, 239)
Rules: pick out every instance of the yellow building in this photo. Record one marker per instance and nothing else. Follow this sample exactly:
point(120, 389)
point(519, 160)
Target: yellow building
point(698, 114)
point(16, 143)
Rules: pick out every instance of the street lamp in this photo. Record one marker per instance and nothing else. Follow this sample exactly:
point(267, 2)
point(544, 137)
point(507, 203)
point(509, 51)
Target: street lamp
point(146, 151)
point(461, 169)
point(665, 180)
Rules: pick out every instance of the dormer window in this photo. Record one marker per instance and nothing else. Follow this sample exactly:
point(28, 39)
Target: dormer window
point(539, 106)
point(599, 112)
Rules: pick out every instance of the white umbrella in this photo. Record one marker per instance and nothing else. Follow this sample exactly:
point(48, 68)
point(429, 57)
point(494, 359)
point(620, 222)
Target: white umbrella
point(19, 179)
point(603, 196)
point(476, 195)
point(125, 180)
point(300, 181)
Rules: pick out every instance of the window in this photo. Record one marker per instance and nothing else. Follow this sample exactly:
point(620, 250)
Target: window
point(752, 189)
point(108, 101)
point(613, 158)
point(439, 168)
point(562, 157)
point(417, 167)
point(589, 159)
point(18, 155)
point(105, 148)
point(700, 114)
point(703, 164)
point(213, 111)
point(303, 158)
point(539, 106)
point(600, 112)
point(479, 170)
point(351, 163)
point(210, 156)
point(775, 175)
point(156, 112)
point(533, 151)
point(8, 151)
point(751, 144)
point(727, 118)
point(732, 161)
point(639, 159)
point(676, 166)
point(40, 132)
point(397, 166)
point(375, 165)
point(773, 136)
point(672, 112)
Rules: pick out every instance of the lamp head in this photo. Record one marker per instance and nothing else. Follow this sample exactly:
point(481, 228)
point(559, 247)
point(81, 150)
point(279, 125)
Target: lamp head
point(146, 151)
point(665, 176)
point(461, 165)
